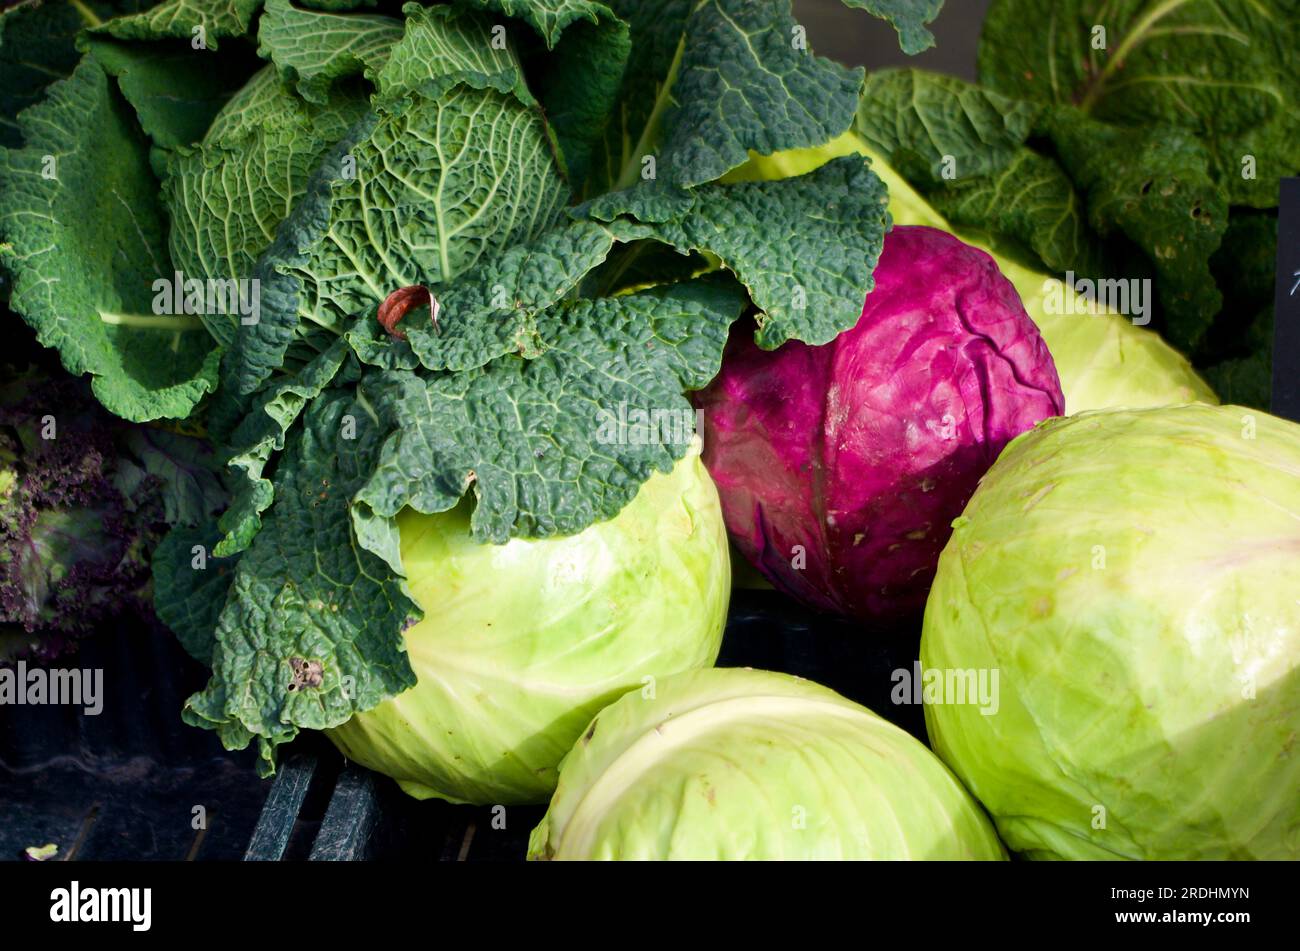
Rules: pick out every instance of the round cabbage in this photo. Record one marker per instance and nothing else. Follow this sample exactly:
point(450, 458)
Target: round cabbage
point(841, 467)
point(522, 643)
point(746, 764)
point(1103, 360)
point(1134, 576)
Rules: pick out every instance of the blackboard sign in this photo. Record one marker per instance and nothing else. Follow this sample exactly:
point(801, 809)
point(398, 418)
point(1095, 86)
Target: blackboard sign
point(1286, 324)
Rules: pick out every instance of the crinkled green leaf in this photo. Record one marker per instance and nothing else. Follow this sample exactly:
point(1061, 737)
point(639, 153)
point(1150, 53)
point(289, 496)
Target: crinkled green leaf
point(1220, 70)
point(1032, 203)
point(708, 82)
point(908, 17)
point(190, 587)
point(259, 349)
point(492, 310)
point(264, 99)
point(804, 247)
point(312, 49)
point(650, 202)
point(578, 86)
point(204, 23)
point(935, 117)
point(964, 148)
point(438, 186)
point(1153, 186)
point(549, 18)
point(227, 197)
point(262, 433)
point(744, 85)
point(79, 212)
point(443, 46)
point(311, 631)
point(373, 217)
point(176, 91)
point(537, 439)
point(38, 46)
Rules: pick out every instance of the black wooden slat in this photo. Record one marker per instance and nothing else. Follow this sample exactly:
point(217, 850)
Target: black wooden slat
point(271, 837)
point(350, 819)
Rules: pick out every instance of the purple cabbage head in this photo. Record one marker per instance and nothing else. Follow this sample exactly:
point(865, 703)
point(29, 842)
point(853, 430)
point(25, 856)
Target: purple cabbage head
point(841, 467)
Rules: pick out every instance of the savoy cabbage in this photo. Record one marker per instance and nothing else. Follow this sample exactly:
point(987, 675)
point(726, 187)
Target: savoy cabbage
point(543, 172)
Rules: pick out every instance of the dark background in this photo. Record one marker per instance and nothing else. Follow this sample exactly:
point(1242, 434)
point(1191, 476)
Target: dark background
point(859, 39)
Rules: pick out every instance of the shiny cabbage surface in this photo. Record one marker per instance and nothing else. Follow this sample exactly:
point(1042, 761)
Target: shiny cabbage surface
point(522, 643)
point(1134, 577)
point(747, 764)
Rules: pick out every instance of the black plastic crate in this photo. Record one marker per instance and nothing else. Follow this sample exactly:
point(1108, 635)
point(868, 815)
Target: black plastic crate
point(125, 784)
point(323, 808)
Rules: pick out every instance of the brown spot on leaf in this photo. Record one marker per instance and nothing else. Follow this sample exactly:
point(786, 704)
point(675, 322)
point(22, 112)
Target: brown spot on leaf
point(306, 673)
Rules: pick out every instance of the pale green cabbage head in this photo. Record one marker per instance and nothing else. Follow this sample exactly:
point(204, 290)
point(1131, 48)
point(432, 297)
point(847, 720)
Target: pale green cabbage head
point(1103, 360)
point(747, 764)
point(522, 643)
point(1134, 577)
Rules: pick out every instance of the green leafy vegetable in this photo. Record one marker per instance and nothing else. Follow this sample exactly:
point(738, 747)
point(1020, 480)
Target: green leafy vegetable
point(909, 17)
point(190, 587)
point(540, 176)
point(1115, 139)
point(203, 22)
point(261, 434)
point(556, 476)
point(1221, 70)
point(312, 49)
point(966, 149)
point(807, 277)
point(309, 631)
point(38, 47)
point(85, 236)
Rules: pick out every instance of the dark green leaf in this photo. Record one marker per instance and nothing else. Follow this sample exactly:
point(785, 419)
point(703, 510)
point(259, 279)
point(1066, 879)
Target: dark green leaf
point(79, 209)
point(190, 587)
point(536, 438)
point(228, 196)
point(492, 311)
point(176, 91)
point(311, 631)
point(262, 433)
point(38, 46)
point(965, 148)
point(804, 247)
point(1223, 71)
point(312, 49)
point(203, 23)
point(908, 17)
point(1153, 186)
point(422, 206)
